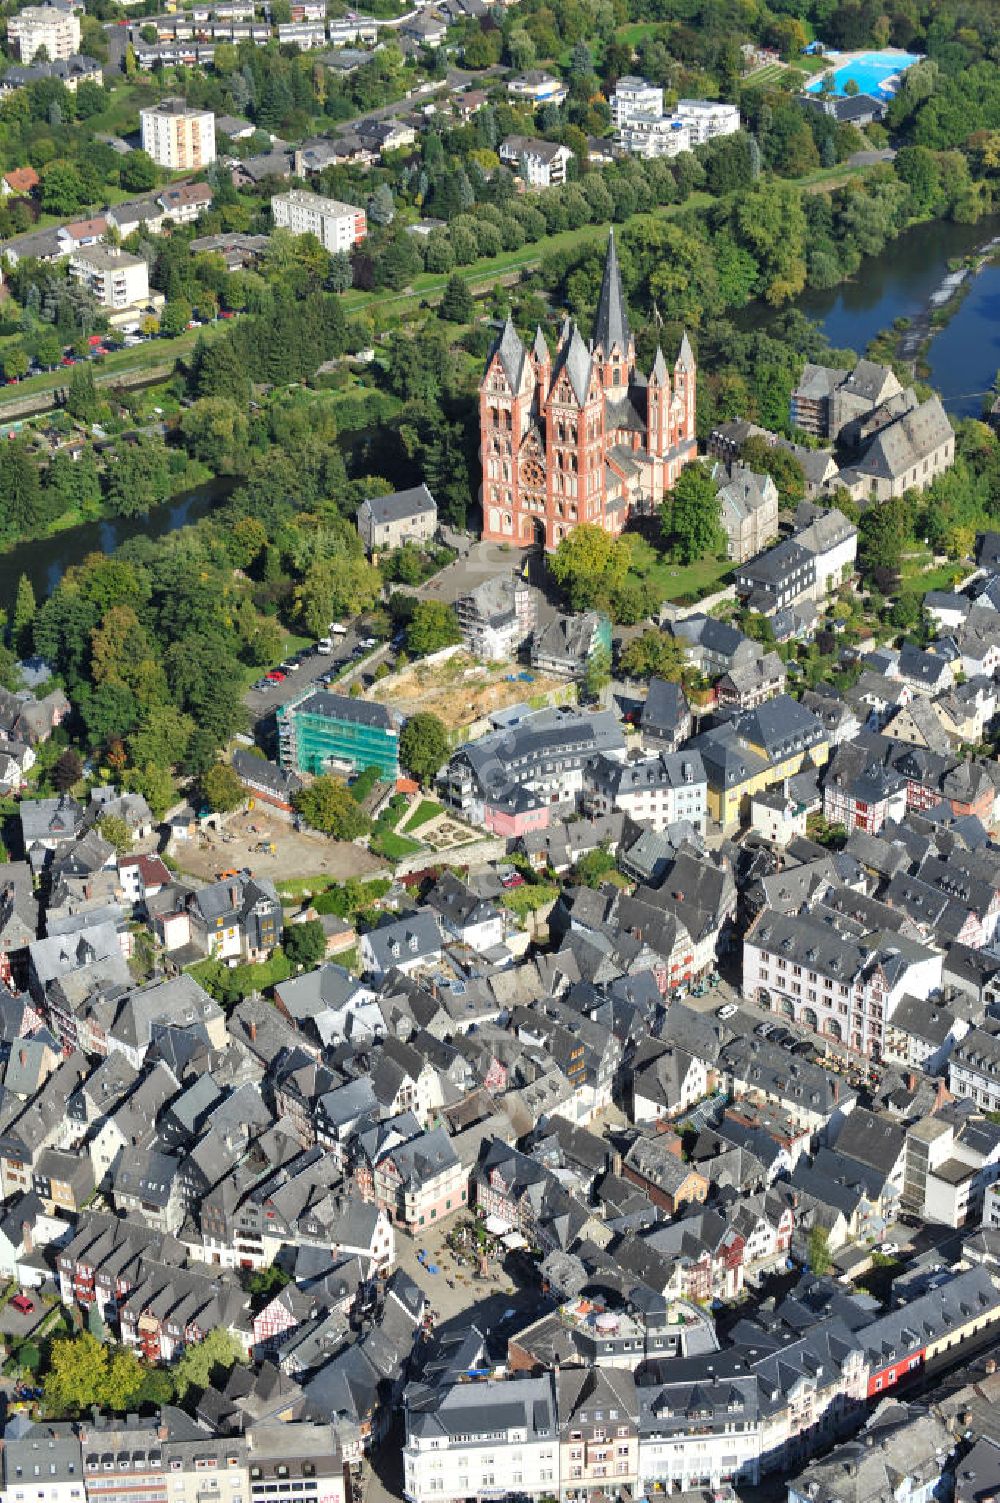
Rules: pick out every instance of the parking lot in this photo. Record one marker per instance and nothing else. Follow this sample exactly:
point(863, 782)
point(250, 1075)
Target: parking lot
point(262, 702)
point(749, 1015)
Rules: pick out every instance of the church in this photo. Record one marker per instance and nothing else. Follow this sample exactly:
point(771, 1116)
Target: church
point(583, 436)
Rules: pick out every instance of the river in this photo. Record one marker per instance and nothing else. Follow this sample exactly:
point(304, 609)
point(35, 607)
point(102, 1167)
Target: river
point(45, 560)
point(964, 356)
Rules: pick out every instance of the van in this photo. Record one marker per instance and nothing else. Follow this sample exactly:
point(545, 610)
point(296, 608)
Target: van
point(325, 646)
point(336, 630)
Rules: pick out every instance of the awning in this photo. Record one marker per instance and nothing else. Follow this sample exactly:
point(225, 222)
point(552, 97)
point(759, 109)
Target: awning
point(497, 1227)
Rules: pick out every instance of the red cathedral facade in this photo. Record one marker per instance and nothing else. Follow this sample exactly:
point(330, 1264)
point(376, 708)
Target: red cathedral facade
point(583, 436)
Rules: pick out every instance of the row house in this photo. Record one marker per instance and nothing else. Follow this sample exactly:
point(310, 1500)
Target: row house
point(171, 1308)
point(901, 1343)
point(104, 1260)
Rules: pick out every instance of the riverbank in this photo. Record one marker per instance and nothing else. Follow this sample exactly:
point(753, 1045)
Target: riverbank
point(45, 560)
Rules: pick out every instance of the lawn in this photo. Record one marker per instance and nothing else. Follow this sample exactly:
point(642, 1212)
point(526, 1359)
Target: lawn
point(766, 77)
point(293, 889)
point(639, 32)
point(392, 846)
point(427, 809)
point(673, 580)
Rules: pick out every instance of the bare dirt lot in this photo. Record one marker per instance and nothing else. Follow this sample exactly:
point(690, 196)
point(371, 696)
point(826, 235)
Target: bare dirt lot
point(297, 854)
point(459, 690)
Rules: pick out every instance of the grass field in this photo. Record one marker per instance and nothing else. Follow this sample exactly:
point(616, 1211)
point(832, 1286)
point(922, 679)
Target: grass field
point(426, 810)
point(766, 77)
point(673, 580)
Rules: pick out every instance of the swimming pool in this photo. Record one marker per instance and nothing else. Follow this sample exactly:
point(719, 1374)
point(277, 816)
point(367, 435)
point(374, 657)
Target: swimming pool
point(875, 73)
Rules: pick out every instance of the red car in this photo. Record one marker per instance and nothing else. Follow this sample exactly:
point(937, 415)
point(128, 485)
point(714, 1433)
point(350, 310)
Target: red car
point(67, 360)
point(227, 314)
point(513, 881)
point(23, 1304)
point(276, 676)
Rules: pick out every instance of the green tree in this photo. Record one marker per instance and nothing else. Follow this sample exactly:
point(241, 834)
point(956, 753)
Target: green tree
point(222, 788)
point(423, 746)
point(15, 363)
point(217, 1352)
point(82, 401)
point(431, 627)
point(598, 671)
point(84, 1371)
point(116, 832)
point(327, 805)
point(174, 317)
point(456, 304)
point(589, 565)
point(156, 786)
point(592, 868)
point(304, 944)
point(692, 516)
point(137, 173)
point(819, 1250)
point(24, 616)
point(656, 654)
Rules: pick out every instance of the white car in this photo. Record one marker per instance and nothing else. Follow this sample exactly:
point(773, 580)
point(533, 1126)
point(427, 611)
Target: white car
point(889, 1249)
point(729, 1011)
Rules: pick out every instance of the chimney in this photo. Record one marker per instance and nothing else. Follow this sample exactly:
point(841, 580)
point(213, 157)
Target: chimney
point(911, 1081)
point(27, 1238)
point(22, 1055)
point(298, 162)
point(253, 1031)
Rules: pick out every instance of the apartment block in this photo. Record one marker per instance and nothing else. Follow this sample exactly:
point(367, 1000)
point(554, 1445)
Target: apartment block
point(54, 27)
point(178, 137)
point(116, 279)
point(337, 226)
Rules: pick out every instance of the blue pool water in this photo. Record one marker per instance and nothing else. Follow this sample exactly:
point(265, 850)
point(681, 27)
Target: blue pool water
point(874, 73)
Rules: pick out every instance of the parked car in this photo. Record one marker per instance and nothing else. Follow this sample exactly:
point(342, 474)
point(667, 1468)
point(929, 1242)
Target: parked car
point(888, 1249)
point(729, 1011)
point(276, 676)
point(764, 1030)
point(22, 1304)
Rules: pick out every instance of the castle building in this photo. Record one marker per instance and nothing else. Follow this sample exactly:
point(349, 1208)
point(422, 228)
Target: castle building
point(583, 436)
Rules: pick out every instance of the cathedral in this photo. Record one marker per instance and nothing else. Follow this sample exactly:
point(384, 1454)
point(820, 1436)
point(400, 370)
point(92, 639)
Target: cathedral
point(583, 437)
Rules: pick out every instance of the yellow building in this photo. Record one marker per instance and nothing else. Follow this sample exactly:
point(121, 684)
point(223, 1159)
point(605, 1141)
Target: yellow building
point(753, 752)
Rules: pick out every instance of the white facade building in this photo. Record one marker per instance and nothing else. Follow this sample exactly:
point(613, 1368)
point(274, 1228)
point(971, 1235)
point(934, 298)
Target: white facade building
point(707, 118)
point(482, 1440)
point(635, 96)
point(677, 1454)
point(337, 226)
point(178, 137)
point(654, 136)
point(838, 985)
point(54, 27)
point(116, 279)
point(656, 791)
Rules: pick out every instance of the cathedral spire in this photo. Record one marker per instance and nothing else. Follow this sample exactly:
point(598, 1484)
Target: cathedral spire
point(611, 320)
